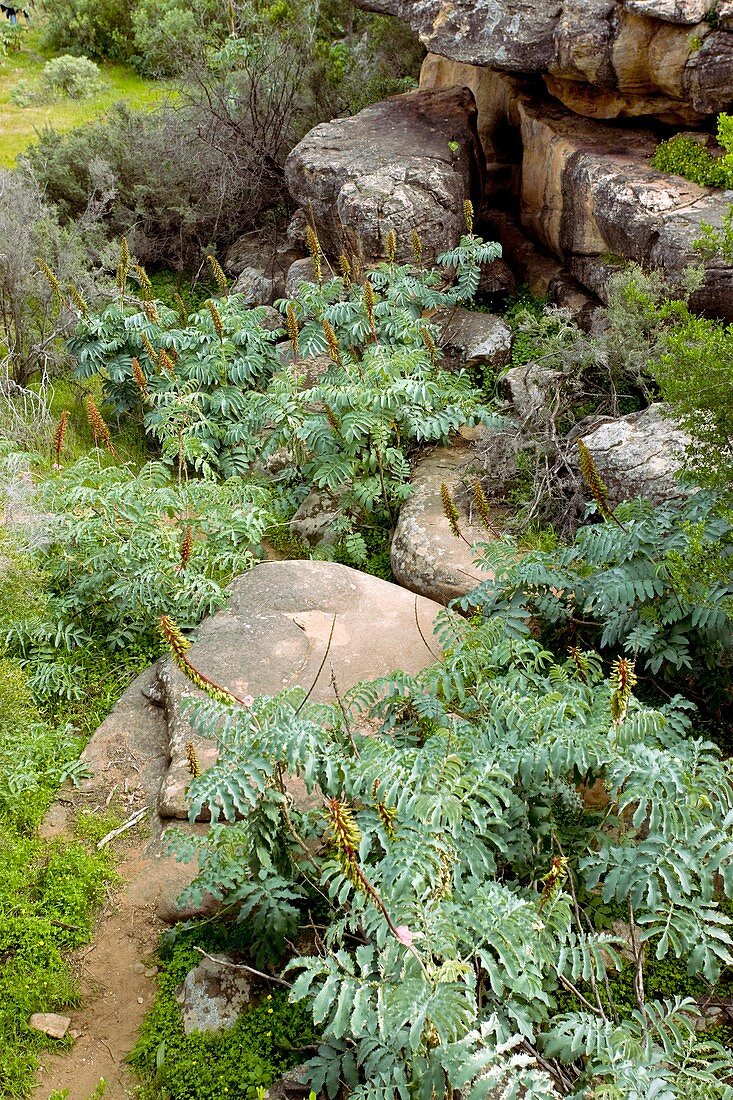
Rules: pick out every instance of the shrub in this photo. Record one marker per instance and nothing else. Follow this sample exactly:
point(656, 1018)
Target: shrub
point(653, 582)
point(75, 77)
point(176, 183)
point(10, 39)
point(34, 313)
point(169, 35)
point(463, 870)
point(217, 397)
point(101, 29)
point(124, 548)
point(686, 156)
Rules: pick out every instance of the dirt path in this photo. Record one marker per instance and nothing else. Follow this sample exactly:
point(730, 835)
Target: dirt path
point(127, 756)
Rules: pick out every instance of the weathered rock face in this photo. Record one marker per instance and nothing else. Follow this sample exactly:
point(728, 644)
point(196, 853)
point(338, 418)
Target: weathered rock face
point(602, 58)
point(405, 164)
point(587, 192)
point(471, 339)
point(639, 455)
point(589, 195)
point(426, 556)
point(274, 633)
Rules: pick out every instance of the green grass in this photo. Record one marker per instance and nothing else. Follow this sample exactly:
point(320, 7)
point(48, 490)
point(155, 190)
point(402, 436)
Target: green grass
point(19, 126)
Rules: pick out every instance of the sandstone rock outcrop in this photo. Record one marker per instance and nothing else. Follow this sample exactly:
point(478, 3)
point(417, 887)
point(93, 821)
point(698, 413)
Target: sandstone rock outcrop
point(587, 192)
point(401, 165)
point(601, 58)
point(639, 455)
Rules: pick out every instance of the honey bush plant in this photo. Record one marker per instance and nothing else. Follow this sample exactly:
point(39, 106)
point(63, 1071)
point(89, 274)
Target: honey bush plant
point(461, 863)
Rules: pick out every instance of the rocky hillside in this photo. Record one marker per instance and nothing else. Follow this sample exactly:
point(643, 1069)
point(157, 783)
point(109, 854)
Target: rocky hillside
point(572, 97)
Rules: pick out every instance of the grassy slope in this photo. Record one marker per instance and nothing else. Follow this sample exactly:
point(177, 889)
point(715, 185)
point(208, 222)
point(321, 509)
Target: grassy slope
point(19, 125)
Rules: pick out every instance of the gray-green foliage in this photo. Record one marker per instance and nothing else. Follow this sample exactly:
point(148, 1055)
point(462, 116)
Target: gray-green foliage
point(75, 77)
point(654, 582)
point(221, 400)
point(34, 316)
point(455, 918)
point(117, 560)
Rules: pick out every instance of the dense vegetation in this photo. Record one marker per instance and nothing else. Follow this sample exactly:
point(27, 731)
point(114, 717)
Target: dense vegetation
point(688, 156)
point(524, 881)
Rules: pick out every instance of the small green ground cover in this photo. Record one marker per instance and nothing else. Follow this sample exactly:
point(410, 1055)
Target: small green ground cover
point(19, 126)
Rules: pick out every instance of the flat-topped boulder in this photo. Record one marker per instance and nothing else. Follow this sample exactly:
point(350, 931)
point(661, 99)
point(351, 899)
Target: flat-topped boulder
point(405, 164)
point(602, 58)
point(289, 624)
point(427, 557)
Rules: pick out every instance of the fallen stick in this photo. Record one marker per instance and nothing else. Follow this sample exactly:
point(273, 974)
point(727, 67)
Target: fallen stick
point(242, 966)
point(123, 828)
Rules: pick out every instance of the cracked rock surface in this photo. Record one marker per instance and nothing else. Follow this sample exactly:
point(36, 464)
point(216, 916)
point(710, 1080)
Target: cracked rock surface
point(407, 163)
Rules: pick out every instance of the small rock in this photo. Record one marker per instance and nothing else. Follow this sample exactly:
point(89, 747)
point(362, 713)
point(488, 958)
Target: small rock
point(50, 1024)
point(212, 995)
point(497, 278)
point(472, 339)
point(313, 522)
point(255, 286)
point(140, 1001)
point(291, 1086)
point(529, 386)
point(170, 911)
point(639, 455)
point(272, 320)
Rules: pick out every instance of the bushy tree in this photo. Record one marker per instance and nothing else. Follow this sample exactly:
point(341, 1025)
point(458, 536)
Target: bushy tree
point(34, 312)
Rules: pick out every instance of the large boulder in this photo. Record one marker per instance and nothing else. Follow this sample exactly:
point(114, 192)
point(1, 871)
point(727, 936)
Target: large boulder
point(427, 557)
point(603, 58)
point(639, 455)
point(405, 164)
point(282, 619)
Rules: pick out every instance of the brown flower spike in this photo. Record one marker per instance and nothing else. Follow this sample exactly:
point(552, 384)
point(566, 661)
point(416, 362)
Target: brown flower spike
point(100, 431)
point(292, 325)
point(139, 376)
point(178, 646)
point(216, 270)
point(481, 504)
point(314, 248)
point(186, 547)
point(450, 511)
point(623, 679)
point(593, 480)
point(192, 760)
point(331, 339)
point(58, 440)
